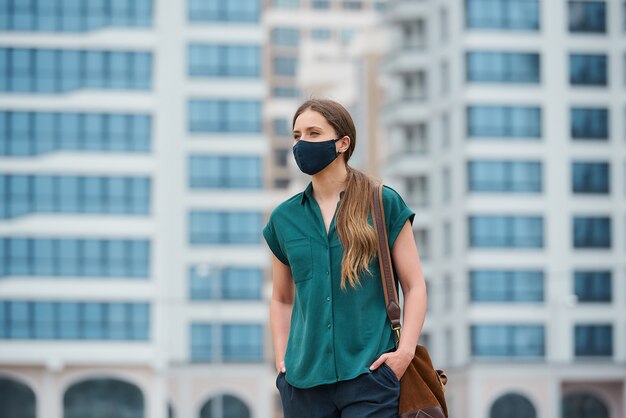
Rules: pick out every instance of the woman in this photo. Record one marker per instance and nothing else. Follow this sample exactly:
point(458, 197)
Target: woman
point(334, 346)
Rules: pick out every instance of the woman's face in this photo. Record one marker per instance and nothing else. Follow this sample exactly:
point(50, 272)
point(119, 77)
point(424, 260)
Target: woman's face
point(311, 126)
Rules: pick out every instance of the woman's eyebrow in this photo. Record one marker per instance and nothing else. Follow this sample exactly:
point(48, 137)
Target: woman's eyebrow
point(308, 129)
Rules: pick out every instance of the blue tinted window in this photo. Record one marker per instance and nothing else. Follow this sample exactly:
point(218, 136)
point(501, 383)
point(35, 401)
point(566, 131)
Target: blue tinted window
point(505, 231)
point(208, 227)
point(75, 258)
point(202, 342)
point(592, 232)
point(593, 340)
point(587, 16)
point(503, 122)
point(593, 286)
point(286, 4)
point(74, 15)
point(281, 127)
point(590, 177)
point(502, 14)
point(285, 36)
point(285, 66)
point(222, 116)
point(352, 4)
point(321, 33)
point(503, 67)
point(74, 320)
point(226, 342)
point(25, 194)
point(507, 286)
point(320, 4)
point(589, 123)
point(64, 70)
point(497, 340)
point(244, 11)
point(242, 342)
point(504, 176)
point(291, 92)
point(225, 171)
point(224, 60)
point(231, 283)
point(588, 69)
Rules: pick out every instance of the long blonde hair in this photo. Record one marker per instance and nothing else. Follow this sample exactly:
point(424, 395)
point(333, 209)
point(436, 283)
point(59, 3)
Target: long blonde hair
point(355, 233)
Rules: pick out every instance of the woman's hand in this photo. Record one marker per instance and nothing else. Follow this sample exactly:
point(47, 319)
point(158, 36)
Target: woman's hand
point(397, 360)
point(281, 367)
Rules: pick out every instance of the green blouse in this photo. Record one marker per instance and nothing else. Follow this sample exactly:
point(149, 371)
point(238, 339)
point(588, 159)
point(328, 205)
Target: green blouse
point(334, 334)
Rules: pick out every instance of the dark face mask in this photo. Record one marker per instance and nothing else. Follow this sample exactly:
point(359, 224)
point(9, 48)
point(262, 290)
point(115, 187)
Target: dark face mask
point(313, 157)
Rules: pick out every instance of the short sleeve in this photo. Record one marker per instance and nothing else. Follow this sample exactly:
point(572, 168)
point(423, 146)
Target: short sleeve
point(272, 241)
point(396, 213)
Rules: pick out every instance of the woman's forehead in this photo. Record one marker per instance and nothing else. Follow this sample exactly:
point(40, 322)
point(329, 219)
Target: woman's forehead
point(310, 118)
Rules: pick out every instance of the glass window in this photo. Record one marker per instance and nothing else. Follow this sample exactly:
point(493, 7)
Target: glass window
point(502, 14)
point(221, 116)
point(589, 123)
point(224, 60)
point(286, 4)
point(244, 11)
point(593, 286)
point(240, 283)
point(504, 122)
point(201, 342)
point(587, 16)
point(285, 66)
point(223, 171)
point(351, 4)
point(501, 340)
point(242, 342)
point(224, 227)
point(289, 92)
point(588, 69)
point(321, 33)
point(592, 232)
point(281, 127)
point(507, 286)
point(593, 340)
point(503, 67)
point(504, 176)
point(320, 4)
point(590, 177)
point(285, 36)
point(492, 231)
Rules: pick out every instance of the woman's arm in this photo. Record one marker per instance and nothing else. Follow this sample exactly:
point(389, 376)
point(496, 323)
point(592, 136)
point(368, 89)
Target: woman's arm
point(281, 306)
point(406, 262)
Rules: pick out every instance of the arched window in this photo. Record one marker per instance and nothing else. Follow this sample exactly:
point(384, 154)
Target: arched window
point(16, 399)
point(583, 405)
point(225, 406)
point(103, 398)
point(512, 405)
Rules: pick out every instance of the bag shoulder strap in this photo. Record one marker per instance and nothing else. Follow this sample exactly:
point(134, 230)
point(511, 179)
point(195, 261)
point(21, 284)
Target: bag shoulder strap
point(384, 259)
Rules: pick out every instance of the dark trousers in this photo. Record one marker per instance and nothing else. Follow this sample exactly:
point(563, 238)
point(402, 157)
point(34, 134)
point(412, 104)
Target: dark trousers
point(370, 395)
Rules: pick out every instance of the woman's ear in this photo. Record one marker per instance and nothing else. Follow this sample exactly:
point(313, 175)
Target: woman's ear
point(343, 148)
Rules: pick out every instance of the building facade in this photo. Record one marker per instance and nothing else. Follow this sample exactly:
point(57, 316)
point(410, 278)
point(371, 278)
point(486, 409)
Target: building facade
point(132, 273)
point(505, 121)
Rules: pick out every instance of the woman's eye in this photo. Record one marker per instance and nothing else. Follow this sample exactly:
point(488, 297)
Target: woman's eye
point(314, 133)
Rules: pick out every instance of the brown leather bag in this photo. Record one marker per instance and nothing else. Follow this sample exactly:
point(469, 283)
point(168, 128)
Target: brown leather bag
point(421, 387)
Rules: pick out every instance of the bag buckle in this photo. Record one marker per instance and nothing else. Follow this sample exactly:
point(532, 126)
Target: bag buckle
point(396, 329)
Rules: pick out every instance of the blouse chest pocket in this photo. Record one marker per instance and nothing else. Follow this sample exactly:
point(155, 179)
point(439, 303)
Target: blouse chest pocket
point(300, 256)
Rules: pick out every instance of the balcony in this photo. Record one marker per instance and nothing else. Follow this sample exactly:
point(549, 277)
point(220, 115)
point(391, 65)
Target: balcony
point(407, 109)
point(406, 58)
point(403, 10)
